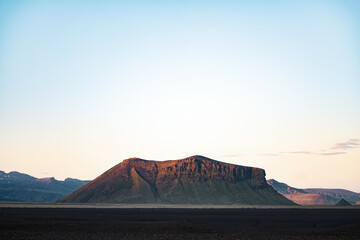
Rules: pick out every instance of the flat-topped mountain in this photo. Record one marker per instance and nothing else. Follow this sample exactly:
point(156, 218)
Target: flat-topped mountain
point(193, 180)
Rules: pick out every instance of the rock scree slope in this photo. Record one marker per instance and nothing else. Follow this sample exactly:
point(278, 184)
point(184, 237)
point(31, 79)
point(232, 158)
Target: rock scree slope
point(193, 180)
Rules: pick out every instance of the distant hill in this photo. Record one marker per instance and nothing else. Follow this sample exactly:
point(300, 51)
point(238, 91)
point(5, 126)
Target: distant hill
point(338, 194)
point(20, 187)
point(193, 180)
point(314, 196)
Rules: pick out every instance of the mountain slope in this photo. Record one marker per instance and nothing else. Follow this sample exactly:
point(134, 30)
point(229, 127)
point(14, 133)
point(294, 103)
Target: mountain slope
point(20, 187)
point(284, 188)
point(193, 180)
point(314, 196)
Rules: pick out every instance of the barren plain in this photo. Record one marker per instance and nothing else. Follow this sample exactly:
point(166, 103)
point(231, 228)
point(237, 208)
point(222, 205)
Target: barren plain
point(144, 221)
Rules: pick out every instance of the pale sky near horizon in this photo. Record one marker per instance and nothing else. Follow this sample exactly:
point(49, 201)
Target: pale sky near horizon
point(269, 84)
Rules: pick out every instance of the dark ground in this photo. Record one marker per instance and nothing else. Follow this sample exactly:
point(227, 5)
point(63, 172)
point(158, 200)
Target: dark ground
point(174, 223)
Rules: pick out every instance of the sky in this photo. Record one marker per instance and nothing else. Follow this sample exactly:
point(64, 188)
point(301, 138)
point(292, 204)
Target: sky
point(269, 84)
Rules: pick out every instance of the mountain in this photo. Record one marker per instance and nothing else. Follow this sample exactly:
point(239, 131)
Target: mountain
point(20, 187)
point(193, 180)
point(314, 196)
point(343, 203)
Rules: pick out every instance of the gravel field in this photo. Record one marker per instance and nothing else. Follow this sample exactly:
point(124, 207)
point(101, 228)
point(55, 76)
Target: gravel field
point(67, 222)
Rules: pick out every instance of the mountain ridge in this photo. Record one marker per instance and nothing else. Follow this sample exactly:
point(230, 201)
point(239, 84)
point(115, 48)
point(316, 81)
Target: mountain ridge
point(21, 187)
point(314, 196)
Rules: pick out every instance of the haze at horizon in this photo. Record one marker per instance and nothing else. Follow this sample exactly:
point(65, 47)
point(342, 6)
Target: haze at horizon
point(84, 85)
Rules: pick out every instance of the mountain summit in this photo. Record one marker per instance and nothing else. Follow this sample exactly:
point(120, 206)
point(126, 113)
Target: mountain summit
point(192, 180)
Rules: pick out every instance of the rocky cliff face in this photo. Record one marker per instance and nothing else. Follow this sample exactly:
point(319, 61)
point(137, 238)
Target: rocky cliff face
point(193, 180)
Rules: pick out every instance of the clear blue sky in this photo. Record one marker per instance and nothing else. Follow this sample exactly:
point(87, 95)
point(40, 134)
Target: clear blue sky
point(271, 84)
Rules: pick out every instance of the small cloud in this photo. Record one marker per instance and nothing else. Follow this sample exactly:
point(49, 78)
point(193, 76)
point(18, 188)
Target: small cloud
point(352, 143)
point(42, 174)
point(299, 152)
point(231, 155)
point(355, 140)
point(270, 154)
point(333, 153)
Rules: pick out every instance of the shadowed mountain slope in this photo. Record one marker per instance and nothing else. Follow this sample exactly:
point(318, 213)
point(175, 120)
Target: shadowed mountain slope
point(193, 180)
